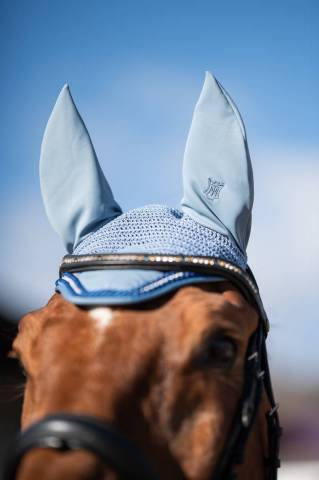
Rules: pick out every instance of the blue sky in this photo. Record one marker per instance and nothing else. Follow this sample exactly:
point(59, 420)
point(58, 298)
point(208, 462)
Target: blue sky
point(135, 71)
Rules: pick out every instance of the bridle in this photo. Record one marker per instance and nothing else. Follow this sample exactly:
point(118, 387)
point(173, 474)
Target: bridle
point(65, 432)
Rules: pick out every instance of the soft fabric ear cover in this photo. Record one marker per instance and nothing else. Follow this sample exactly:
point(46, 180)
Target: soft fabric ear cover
point(217, 172)
point(76, 195)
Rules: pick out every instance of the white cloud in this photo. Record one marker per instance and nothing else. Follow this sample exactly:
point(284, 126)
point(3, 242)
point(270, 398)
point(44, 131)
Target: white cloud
point(286, 220)
point(284, 255)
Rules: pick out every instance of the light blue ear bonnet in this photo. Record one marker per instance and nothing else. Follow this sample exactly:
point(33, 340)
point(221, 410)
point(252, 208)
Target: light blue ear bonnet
point(214, 218)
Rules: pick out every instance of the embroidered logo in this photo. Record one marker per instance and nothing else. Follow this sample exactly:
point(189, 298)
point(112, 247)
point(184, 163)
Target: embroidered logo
point(213, 189)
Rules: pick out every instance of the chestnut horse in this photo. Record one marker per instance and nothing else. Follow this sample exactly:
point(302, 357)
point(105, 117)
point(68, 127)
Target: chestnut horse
point(168, 371)
point(168, 375)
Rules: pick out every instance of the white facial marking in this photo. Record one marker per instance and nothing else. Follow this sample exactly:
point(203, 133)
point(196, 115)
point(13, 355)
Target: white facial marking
point(102, 316)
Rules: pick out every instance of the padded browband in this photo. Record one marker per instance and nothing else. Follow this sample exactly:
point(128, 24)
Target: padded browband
point(244, 280)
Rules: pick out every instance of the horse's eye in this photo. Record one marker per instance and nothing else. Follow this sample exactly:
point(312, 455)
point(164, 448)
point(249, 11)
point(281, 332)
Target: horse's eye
point(223, 352)
point(218, 352)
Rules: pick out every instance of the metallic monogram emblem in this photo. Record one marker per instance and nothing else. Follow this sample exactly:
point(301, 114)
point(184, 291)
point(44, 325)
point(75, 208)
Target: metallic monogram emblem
point(213, 189)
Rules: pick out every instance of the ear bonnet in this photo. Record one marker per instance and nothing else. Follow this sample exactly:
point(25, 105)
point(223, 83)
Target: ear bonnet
point(213, 220)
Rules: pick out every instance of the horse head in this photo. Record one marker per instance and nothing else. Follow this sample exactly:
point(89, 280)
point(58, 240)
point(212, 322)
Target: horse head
point(154, 339)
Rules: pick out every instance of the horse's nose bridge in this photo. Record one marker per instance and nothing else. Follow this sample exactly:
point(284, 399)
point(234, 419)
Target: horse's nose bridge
point(118, 374)
point(129, 374)
point(106, 374)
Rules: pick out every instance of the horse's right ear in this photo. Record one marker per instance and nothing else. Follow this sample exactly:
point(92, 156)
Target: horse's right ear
point(217, 171)
point(76, 195)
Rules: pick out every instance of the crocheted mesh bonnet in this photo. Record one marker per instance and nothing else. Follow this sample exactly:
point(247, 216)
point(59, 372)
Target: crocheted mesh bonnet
point(160, 229)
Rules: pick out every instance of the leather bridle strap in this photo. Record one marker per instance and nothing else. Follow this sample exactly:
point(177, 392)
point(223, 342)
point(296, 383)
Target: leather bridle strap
point(273, 424)
point(65, 432)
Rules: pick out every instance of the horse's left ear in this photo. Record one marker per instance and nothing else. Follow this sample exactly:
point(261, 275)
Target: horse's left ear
point(76, 195)
point(217, 172)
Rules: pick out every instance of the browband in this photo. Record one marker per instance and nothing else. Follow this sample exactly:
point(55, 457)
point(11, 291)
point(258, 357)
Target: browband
point(244, 280)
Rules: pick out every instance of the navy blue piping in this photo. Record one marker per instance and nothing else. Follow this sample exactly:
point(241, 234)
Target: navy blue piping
point(134, 294)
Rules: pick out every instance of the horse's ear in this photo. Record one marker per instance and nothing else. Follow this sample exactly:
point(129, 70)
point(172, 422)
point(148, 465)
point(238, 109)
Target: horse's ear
point(217, 172)
point(75, 192)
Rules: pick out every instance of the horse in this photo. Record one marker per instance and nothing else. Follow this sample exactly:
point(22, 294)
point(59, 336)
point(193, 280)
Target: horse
point(149, 361)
